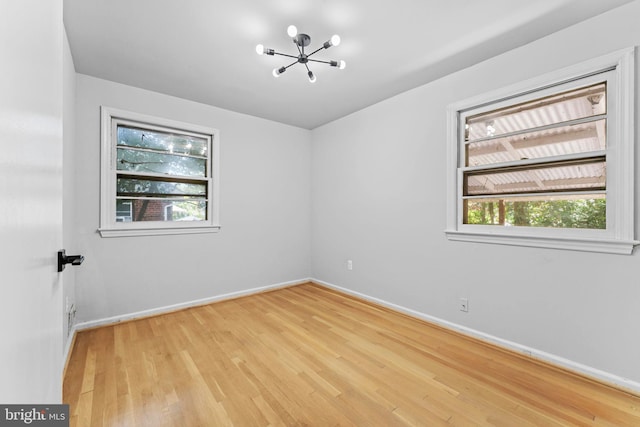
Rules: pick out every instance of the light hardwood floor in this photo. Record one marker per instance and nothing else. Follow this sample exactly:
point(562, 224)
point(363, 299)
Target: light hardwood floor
point(306, 355)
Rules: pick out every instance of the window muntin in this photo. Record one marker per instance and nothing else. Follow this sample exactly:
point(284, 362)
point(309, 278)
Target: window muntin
point(158, 176)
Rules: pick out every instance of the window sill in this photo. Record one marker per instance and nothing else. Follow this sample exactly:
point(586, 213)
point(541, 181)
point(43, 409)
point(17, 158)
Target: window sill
point(623, 247)
point(160, 231)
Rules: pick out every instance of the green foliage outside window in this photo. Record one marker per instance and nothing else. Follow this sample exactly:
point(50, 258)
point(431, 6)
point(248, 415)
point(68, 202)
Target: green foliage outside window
point(575, 213)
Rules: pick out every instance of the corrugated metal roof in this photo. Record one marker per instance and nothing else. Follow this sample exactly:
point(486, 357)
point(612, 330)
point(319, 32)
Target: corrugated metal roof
point(485, 146)
point(584, 176)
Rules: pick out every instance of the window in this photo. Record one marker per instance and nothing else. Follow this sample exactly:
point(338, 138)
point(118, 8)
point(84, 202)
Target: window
point(547, 163)
point(158, 176)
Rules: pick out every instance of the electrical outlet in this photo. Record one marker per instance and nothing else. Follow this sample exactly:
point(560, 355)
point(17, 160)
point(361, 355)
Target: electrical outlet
point(349, 265)
point(464, 304)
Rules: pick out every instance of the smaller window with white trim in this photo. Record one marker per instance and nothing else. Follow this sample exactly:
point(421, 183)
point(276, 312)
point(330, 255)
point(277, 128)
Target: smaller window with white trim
point(548, 162)
point(158, 176)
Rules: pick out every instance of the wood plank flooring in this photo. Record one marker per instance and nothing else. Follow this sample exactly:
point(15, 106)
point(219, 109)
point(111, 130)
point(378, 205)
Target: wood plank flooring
point(309, 356)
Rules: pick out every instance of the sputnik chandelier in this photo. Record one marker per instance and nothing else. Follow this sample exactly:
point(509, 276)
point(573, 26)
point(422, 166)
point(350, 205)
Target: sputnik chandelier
point(301, 41)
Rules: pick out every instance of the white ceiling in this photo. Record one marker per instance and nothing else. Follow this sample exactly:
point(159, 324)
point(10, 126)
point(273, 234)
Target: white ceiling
point(204, 50)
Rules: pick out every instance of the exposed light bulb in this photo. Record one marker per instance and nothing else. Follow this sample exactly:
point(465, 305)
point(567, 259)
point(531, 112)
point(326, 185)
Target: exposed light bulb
point(342, 65)
point(312, 77)
point(292, 31)
point(278, 71)
point(333, 41)
point(260, 49)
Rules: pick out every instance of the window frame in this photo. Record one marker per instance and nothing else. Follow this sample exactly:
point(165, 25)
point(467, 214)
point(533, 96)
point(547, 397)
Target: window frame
point(109, 226)
point(618, 237)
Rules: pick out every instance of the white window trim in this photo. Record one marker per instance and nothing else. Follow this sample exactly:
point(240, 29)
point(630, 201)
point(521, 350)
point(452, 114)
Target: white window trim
point(619, 237)
point(108, 225)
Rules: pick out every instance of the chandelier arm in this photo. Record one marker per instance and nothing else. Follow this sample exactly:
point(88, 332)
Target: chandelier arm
point(292, 64)
point(315, 51)
point(317, 60)
point(284, 54)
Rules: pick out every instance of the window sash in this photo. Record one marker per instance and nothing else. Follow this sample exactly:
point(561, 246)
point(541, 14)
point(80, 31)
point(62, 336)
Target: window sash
point(188, 181)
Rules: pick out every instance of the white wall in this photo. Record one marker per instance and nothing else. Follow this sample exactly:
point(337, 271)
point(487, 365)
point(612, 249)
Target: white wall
point(264, 212)
point(378, 198)
point(31, 201)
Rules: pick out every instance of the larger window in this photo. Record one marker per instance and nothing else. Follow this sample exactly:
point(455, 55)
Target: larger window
point(547, 163)
point(158, 176)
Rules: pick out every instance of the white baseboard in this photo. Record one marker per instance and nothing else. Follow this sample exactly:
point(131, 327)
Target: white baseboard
point(68, 347)
point(602, 376)
point(169, 308)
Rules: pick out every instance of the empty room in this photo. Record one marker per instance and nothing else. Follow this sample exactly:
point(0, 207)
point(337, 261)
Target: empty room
point(320, 213)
